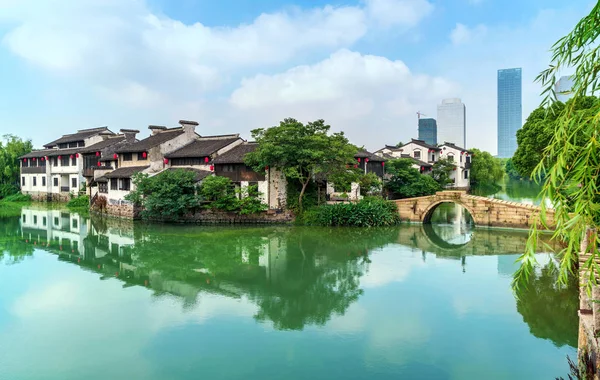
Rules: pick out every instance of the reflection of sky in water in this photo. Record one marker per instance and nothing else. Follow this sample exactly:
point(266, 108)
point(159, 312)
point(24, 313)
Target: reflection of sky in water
point(452, 223)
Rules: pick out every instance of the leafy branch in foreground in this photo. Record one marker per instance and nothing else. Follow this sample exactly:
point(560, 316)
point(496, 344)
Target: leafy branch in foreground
point(571, 161)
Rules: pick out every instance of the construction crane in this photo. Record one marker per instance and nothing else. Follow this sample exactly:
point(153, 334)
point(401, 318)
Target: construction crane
point(419, 114)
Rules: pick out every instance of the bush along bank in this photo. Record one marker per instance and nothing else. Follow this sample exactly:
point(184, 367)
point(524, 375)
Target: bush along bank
point(369, 212)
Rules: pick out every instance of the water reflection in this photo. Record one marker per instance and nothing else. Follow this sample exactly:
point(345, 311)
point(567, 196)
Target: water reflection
point(297, 277)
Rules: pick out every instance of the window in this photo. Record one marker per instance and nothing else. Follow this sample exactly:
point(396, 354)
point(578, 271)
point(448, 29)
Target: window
point(140, 157)
point(80, 144)
point(126, 184)
point(44, 221)
point(74, 161)
point(63, 146)
point(461, 158)
point(73, 145)
point(417, 154)
point(187, 161)
point(25, 163)
point(113, 184)
point(73, 183)
point(55, 180)
point(56, 221)
point(127, 157)
point(54, 161)
point(42, 163)
point(451, 158)
point(103, 187)
point(64, 161)
point(34, 181)
point(43, 180)
point(466, 173)
point(22, 181)
point(24, 219)
point(35, 219)
point(74, 223)
point(433, 158)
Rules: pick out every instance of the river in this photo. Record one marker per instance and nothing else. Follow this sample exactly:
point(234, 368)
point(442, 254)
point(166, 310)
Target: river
point(96, 298)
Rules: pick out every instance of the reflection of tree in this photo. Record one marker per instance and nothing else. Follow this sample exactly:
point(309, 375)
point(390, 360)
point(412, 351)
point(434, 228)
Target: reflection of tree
point(11, 244)
point(516, 189)
point(550, 310)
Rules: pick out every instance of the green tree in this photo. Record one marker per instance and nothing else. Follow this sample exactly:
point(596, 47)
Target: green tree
point(572, 166)
point(441, 172)
point(511, 170)
point(370, 184)
point(219, 191)
point(406, 181)
point(168, 195)
point(485, 169)
point(301, 151)
point(11, 148)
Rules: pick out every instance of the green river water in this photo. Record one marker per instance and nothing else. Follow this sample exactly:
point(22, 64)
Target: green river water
point(85, 298)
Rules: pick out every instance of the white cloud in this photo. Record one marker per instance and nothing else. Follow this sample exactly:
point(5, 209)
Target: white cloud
point(407, 13)
point(462, 34)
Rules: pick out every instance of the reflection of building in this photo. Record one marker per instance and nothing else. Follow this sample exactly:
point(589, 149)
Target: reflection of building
point(62, 229)
point(563, 88)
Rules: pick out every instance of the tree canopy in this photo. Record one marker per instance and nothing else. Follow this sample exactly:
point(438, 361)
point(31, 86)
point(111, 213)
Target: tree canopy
point(441, 172)
point(485, 169)
point(301, 151)
point(11, 148)
point(406, 181)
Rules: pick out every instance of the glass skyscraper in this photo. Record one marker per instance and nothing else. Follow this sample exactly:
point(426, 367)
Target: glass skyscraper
point(510, 113)
point(428, 131)
point(452, 122)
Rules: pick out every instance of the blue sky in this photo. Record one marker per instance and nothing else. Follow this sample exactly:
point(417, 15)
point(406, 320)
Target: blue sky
point(366, 67)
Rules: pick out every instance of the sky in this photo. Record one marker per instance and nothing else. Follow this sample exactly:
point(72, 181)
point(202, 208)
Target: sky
point(364, 66)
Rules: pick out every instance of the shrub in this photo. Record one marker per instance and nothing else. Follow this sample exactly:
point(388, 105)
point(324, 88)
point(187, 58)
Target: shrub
point(370, 184)
point(369, 212)
point(310, 199)
point(219, 191)
point(17, 198)
point(7, 189)
point(79, 202)
point(251, 203)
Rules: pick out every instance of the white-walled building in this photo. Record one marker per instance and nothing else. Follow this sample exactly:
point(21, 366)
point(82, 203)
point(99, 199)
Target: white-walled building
point(452, 122)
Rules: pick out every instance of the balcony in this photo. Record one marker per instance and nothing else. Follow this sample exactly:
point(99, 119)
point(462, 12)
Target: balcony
point(65, 189)
point(34, 170)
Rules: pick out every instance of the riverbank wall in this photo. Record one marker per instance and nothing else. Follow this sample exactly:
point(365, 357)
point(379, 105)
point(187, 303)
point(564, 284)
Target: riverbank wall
point(206, 216)
point(588, 348)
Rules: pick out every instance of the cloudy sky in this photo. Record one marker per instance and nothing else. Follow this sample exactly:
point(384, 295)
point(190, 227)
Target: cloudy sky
point(365, 66)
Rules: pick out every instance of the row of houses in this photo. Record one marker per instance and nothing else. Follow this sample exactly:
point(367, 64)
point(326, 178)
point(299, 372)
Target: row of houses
point(102, 163)
point(425, 156)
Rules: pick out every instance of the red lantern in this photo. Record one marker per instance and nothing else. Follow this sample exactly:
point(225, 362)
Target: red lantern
point(71, 156)
point(206, 160)
point(212, 168)
point(382, 163)
point(24, 160)
point(59, 157)
point(355, 166)
point(77, 155)
point(115, 156)
point(266, 168)
point(422, 168)
point(99, 163)
point(97, 154)
point(34, 158)
point(43, 159)
point(366, 160)
point(166, 161)
point(454, 168)
point(358, 159)
point(144, 155)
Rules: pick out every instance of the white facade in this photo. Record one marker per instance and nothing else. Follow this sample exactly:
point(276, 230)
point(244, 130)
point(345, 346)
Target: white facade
point(452, 122)
point(563, 88)
point(462, 158)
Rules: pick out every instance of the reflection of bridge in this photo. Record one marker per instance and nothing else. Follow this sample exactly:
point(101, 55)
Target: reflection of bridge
point(484, 211)
point(483, 242)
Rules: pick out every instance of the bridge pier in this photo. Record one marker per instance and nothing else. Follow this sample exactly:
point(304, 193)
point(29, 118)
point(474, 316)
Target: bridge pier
point(484, 211)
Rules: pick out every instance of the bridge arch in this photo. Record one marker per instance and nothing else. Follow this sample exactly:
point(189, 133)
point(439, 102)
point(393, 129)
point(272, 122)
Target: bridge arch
point(428, 212)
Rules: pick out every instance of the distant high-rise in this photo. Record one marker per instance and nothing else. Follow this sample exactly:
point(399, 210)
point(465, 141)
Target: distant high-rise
point(428, 131)
point(563, 88)
point(510, 118)
point(452, 122)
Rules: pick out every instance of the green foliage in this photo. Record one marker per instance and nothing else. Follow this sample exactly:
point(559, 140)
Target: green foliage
point(441, 172)
point(370, 184)
point(407, 182)
point(250, 202)
point(572, 167)
point(219, 191)
point(301, 151)
point(369, 212)
point(11, 148)
point(166, 196)
point(511, 170)
point(342, 179)
point(17, 198)
point(485, 169)
point(79, 202)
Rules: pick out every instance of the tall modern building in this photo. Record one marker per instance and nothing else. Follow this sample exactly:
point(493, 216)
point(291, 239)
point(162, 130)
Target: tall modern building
point(563, 87)
point(452, 122)
point(428, 131)
point(510, 111)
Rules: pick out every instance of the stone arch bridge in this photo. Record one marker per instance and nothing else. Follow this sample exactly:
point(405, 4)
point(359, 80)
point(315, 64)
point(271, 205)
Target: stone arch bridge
point(484, 211)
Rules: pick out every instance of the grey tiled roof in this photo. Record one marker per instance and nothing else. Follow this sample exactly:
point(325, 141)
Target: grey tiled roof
point(237, 154)
point(201, 148)
point(102, 144)
point(200, 174)
point(151, 141)
point(423, 144)
point(125, 172)
point(80, 135)
point(369, 155)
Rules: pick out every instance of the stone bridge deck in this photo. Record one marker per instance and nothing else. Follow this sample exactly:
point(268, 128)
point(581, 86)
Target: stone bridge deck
point(484, 211)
